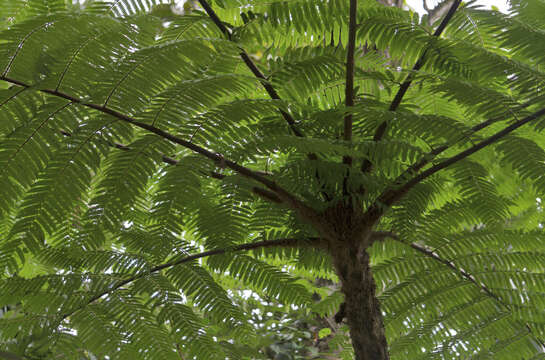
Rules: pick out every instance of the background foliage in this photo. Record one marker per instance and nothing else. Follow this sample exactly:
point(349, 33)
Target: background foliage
point(99, 218)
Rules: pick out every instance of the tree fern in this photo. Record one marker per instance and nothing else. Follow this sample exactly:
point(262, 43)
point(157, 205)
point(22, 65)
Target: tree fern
point(271, 179)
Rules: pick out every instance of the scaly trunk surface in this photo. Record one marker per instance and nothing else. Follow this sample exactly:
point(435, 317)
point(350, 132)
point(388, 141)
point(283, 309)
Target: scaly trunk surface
point(362, 308)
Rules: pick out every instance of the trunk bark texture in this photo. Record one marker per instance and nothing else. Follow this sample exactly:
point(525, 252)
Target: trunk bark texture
point(362, 308)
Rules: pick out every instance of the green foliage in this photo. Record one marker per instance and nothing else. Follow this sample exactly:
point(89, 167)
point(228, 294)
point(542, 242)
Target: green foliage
point(103, 215)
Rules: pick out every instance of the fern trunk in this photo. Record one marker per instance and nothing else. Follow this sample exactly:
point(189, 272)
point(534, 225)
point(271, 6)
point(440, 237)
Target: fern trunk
point(362, 309)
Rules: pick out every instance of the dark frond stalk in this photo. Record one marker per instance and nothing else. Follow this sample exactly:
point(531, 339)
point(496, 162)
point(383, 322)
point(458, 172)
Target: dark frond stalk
point(427, 158)
point(394, 194)
point(399, 189)
point(252, 66)
point(214, 17)
point(390, 197)
point(12, 97)
point(466, 276)
point(349, 85)
point(288, 242)
point(425, 5)
point(413, 169)
point(281, 193)
point(265, 194)
point(437, 12)
point(273, 94)
point(417, 66)
point(381, 130)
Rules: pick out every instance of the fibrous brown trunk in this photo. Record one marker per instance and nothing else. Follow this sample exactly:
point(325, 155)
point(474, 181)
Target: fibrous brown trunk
point(362, 308)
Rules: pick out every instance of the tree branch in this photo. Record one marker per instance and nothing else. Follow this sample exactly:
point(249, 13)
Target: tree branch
point(214, 17)
point(243, 247)
point(425, 5)
point(379, 133)
point(267, 195)
point(382, 235)
point(419, 63)
point(281, 193)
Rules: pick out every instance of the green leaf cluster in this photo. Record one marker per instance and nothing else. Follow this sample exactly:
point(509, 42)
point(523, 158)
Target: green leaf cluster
point(102, 220)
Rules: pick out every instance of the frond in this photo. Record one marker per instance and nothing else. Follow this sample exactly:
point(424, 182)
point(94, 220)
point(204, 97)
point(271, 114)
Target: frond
point(305, 70)
point(476, 186)
point(69, 173)
point(270, 21)
point(189, 27)
point(208, 296)
point(262, 276)
point(526, 157)
point(25, 147)
point(523, 36)
point(454, 313)
point(393, 29)
point(125, 180)
point(120, 240)
point(187, 99)
point(123, 8)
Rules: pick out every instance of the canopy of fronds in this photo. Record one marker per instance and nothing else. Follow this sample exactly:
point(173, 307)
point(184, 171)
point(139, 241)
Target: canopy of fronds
point(134, 137)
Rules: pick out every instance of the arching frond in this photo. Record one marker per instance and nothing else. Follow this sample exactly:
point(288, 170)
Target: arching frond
point(206, 181)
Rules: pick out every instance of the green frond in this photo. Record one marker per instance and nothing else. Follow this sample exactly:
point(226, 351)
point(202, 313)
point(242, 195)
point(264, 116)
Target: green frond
point(197, 284)
point(25, 148)
point(15, 11)
point(189, 27)
point(120, 240)
point(477, 187)
point(430, 128)
point(129, 312)
point(187, 99)
point(155, 67)
point(186, 325)
point(523, 37)
point(393, 29)
point(269, 22)
point(98, 261)
point(123, 8)
point(174, 199)
point(306, 75)
point(125, 180)
point(486, 101)
point(69, 173)
point(329, 305)
point(449, 309)
point(526, 157)
point(260, 275)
